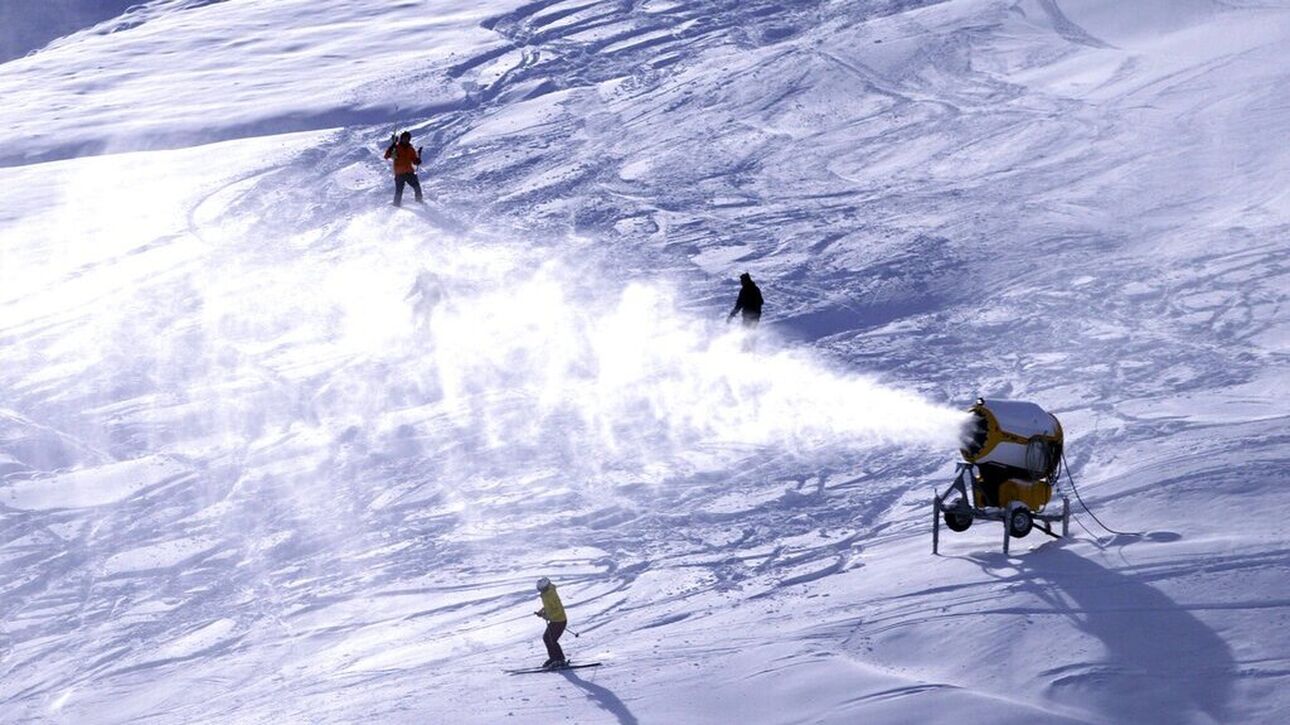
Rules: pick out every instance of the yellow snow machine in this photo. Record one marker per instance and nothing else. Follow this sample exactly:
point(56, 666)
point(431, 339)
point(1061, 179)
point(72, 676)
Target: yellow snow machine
point(1012, 453)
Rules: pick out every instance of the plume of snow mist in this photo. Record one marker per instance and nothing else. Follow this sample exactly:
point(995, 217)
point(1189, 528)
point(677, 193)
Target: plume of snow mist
point(551, 364)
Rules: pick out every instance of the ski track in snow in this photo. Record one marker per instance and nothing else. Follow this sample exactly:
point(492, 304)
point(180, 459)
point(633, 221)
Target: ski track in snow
point(270, 451)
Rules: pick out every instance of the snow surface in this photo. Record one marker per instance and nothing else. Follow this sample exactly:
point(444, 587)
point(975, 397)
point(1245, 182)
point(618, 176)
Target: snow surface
point(272, 451)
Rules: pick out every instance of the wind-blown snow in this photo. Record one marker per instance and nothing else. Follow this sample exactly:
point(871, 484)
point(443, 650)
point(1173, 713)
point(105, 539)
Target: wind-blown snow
point(273, 451)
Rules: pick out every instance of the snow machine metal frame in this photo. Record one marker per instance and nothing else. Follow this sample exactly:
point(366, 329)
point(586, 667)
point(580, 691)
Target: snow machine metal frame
point(1015, 517)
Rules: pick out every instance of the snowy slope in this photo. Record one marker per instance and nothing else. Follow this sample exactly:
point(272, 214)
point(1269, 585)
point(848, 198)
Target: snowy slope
point(270, 450)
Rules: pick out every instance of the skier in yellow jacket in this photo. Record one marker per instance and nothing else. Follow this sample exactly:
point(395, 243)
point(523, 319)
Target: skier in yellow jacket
point(553, 612)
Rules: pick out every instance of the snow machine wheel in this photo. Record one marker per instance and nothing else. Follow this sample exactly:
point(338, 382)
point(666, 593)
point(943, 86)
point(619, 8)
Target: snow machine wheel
point(1020, 522)
point(958, 518)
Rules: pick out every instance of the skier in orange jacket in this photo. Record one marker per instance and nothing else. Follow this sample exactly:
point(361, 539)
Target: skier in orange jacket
point(406, 159)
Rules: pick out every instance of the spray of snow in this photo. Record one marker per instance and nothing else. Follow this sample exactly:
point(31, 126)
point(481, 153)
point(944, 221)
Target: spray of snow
point(501, 353)
point(626, 372)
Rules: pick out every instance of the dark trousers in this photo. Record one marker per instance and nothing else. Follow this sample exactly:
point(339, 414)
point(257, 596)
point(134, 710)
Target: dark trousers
point(551, 639)
point(751, 318)
point(410, 180)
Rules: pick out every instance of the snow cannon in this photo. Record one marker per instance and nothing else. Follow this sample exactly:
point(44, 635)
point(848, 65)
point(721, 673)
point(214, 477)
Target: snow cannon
point(1012, 457)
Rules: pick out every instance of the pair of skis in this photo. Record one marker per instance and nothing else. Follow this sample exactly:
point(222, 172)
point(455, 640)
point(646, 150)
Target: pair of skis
point(535, 670)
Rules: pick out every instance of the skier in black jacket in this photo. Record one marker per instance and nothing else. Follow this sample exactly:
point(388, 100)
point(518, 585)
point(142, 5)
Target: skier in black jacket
point(749, 301)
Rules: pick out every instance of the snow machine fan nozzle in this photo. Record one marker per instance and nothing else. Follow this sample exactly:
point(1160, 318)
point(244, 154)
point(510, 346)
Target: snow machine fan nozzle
point(1014, 435)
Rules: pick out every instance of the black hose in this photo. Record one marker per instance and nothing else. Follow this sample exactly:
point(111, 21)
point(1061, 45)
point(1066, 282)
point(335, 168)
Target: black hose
point(1086, 508)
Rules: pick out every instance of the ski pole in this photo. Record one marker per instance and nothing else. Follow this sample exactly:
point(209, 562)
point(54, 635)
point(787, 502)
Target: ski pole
point(570, 631)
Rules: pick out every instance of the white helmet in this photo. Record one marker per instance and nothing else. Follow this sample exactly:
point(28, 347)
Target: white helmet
point(543, 583)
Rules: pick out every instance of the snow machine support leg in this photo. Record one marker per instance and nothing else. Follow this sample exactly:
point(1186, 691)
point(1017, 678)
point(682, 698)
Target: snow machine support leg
point(936, 523)
point(1066, 517)
point(957, 516)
